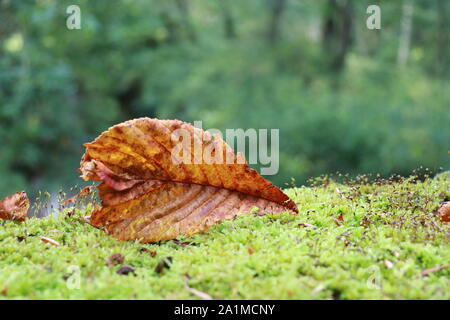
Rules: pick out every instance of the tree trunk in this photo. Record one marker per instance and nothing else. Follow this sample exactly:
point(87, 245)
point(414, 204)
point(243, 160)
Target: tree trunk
point(183, 7)
point(228, 20)
point(338, 32)
point(442, 63)
point(274, 33)
point(405, 32)
point(170, 25)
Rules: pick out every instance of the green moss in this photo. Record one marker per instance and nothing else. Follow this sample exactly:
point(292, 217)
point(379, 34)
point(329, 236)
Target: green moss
point(270, 257)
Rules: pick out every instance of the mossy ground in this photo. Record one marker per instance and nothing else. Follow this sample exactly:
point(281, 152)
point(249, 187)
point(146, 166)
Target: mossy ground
point(388, 236)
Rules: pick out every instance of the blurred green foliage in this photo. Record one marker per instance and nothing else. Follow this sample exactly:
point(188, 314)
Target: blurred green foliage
point(338, 92)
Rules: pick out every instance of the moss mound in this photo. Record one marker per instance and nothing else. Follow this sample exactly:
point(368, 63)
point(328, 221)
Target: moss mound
point(359, 240)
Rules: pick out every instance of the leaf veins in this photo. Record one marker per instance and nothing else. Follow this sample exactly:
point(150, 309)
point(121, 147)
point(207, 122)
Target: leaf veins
point(146, 195)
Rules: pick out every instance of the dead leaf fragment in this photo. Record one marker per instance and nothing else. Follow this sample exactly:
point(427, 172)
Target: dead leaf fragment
point(339, 220)
point(444, 212)
point(163, 264)
point(84, 191)
point(116, 258)
point(125, 270)
point(50, 241)
point(70, 213)
point(152, 253)
point(15, 207)
point(307, 225)
point(149, 195)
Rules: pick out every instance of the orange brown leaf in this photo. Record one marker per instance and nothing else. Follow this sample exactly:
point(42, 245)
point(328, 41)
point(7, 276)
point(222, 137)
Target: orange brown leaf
point(444, 212)
point(15, 207)
point(148, 195)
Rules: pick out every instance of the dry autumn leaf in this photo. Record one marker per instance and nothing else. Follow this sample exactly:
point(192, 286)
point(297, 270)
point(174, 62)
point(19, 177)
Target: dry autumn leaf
point(15, 207)
point(444, 212)
point(339, 220)
point(149, 194)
